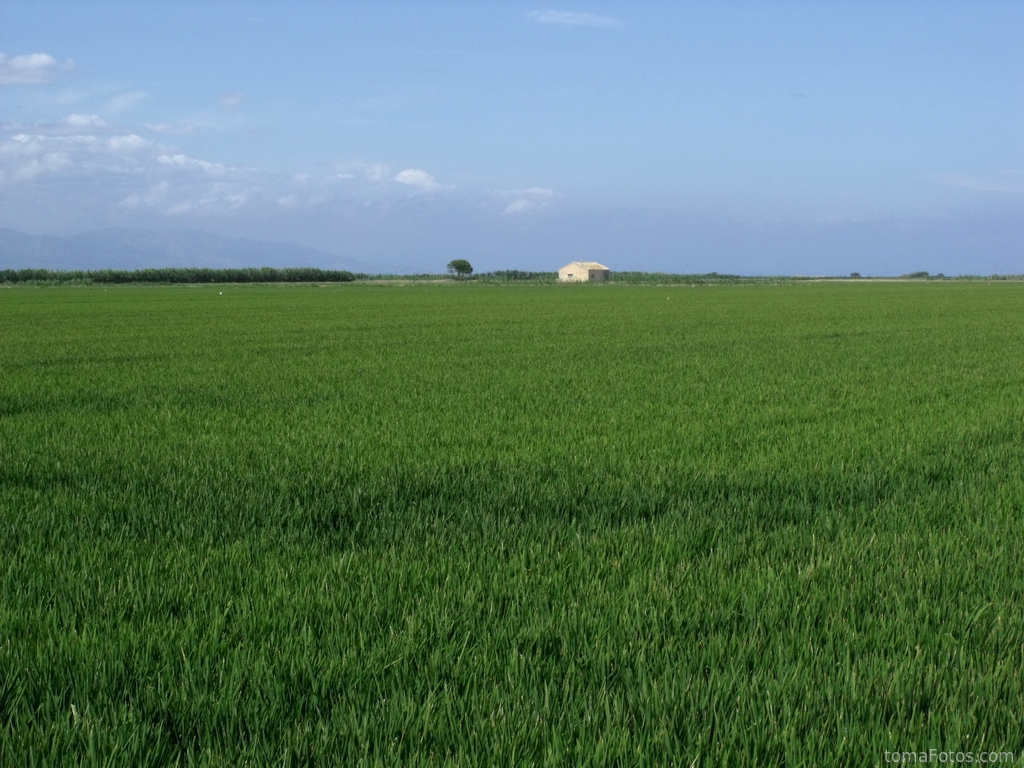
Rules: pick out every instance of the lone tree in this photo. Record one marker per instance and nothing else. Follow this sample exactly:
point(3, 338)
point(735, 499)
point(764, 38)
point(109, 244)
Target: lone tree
point(460, 267)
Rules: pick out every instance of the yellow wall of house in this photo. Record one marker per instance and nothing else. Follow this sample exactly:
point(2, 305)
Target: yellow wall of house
point(580, 275)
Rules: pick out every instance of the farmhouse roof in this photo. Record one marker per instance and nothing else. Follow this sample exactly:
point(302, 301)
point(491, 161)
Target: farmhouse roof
point(586, 265)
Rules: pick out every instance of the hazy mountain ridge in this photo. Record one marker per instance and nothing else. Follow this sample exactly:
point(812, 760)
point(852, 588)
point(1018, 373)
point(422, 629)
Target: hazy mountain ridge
point(123, 248)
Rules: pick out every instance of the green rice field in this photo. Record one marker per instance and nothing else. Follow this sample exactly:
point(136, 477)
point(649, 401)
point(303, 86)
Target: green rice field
point(445, 524)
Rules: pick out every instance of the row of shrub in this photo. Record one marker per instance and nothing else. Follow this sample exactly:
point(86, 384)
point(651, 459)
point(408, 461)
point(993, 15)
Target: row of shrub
point(314, 275)
point(665, 278)
point(518, 274)
point(179, 275)
point(498, 275)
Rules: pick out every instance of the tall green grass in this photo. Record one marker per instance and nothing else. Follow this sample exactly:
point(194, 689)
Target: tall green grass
point(485, 524)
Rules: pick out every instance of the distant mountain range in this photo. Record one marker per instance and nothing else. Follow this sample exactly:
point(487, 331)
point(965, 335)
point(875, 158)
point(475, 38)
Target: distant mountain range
point(122, 248)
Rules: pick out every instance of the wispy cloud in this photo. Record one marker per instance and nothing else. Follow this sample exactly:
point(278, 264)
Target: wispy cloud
point(230, 101)
point(84, 162)
point(29, 69)
point(1011, 181)
point(125, 101)
point(176, 129)
point(414, 177)
point(575, 19)
point(155, 195)
point(34, 164)
point(190, 163)
point(86, 146)
point(211, 120)
point(361, 169)
point(125, 144)
point(525, 200)
point(77, 122)
point(218, 198)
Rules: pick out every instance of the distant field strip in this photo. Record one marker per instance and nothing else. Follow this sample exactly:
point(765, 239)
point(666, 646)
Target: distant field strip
point(424, 524)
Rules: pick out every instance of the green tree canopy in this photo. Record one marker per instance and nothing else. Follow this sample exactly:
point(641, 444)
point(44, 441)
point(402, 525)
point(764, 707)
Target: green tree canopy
point(460, 267)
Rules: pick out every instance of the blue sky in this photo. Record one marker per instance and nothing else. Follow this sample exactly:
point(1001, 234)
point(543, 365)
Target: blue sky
point(756, 138)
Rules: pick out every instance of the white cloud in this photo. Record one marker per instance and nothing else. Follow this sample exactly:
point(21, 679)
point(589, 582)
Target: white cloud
point(156, 194)
point(29, 69)
point(230, 100)
point(416, 178)
point(202, 200)
point(184, 161)
point(574, 19)
point(82, 162)
point(26, 156)
point(1011, 181)
point(130, 143)
point(126, 173)
point(524, 200)
point(50, 162)
point(74, 125)
point(377, 172)
point(370, 171)
point(179, 208)
point(232, 200)
point(517, 206)
point(84, 121)
point(216, 199)
point(208, 120)
point(86, 144)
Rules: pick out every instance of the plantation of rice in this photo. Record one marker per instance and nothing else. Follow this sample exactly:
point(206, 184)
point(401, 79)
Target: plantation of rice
point(462, 524)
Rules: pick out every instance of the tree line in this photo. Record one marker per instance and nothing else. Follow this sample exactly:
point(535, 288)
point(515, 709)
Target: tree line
point(179, 275)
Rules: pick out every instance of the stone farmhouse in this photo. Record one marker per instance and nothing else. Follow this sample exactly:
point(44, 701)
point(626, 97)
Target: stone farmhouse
point(583, 272)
